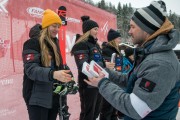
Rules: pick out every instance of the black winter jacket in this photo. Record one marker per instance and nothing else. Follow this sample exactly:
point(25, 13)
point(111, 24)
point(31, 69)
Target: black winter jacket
point(38, 80)
point(86, 51)
point(107, 52)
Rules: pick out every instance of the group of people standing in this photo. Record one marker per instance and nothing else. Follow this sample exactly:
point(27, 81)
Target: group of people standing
point(87, 49)
point(144, 86)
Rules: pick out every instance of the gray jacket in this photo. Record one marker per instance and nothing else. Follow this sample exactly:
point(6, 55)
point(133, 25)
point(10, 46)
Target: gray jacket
point(156, 76)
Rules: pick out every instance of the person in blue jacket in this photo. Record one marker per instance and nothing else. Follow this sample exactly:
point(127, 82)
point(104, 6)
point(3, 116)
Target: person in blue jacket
point(128, 60)
point(153, 84)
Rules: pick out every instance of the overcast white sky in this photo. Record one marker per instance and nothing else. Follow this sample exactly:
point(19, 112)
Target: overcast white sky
point(173, 5)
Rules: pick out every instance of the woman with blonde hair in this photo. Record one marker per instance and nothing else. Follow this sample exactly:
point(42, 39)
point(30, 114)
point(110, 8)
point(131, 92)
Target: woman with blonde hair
point(86, 49)
point(42, 69)
point(112, 46)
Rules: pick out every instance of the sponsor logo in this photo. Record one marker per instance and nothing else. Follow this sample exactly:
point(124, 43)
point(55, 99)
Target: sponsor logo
point(95, 51)
point(74, 20)
point(7, 111)
point(29, 57)
point(6, 81)
point(2, 6)
point(104, 29)
point(81, 56)
point(35, 12)
point(4, 45)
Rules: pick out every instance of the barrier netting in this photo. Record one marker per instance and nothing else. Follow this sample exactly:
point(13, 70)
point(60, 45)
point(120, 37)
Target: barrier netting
point(16, 19)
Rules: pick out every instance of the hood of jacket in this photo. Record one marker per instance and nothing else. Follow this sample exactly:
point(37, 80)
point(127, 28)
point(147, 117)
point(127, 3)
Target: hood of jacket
point(166, 38)
point(163, 42)
point(35, 31)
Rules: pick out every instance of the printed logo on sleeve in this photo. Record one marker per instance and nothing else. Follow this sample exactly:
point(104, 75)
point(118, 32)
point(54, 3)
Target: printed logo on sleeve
point(147, 85)
point(29, 57)
point(81, 56)
point(95, 51)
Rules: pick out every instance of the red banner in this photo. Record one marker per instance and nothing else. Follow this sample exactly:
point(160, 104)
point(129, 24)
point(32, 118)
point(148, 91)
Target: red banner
point(16, 19)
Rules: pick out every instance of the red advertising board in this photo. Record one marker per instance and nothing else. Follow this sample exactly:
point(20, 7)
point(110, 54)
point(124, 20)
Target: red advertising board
point(16, 19)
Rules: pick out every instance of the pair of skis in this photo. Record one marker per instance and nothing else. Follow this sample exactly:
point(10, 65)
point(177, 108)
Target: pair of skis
point(67, 88)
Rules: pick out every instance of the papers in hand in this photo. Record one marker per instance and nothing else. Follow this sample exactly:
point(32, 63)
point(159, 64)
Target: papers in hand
point(85, 70)
point(92, 69)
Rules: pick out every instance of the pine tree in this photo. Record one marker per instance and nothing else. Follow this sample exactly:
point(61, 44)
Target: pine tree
point(124, 14)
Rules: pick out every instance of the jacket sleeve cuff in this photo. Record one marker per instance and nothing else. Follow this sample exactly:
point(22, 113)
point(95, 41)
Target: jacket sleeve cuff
point(101, 81)
point(51, 72)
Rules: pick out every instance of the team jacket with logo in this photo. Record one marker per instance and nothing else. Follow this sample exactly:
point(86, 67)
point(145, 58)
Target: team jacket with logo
point(86, 51)
point(37, 80)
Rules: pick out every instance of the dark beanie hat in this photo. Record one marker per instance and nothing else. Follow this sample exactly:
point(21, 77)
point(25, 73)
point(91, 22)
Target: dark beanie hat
point(112, 34)
point(88, 24)
point(151, 18)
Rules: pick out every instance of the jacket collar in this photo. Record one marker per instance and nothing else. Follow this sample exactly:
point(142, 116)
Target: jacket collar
point(92, 40)
point(166, 27)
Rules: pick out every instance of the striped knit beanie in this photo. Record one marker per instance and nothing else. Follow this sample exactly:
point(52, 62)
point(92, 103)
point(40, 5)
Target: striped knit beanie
point(151, 18)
